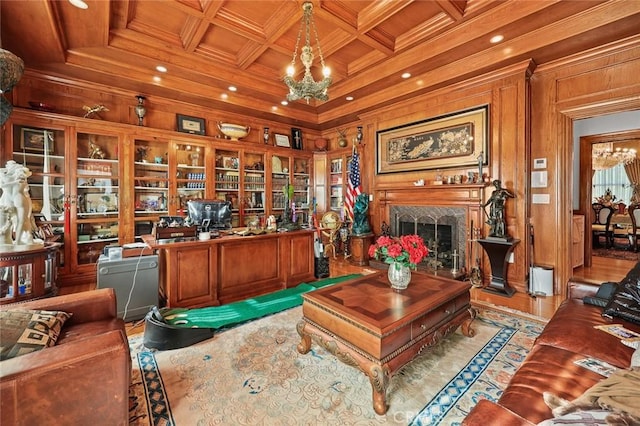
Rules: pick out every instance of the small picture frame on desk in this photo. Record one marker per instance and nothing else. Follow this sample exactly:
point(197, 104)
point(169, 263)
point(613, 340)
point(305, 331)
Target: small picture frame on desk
point(192, 125)
point(296, 137)
point(282, 140)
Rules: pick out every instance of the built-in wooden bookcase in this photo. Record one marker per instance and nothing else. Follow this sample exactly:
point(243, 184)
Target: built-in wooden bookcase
point(96, 183)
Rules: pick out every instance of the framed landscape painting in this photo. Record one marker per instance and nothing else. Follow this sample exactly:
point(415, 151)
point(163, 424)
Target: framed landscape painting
point(458, 140)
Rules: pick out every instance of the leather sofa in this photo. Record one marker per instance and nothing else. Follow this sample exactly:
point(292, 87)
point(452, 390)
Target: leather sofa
point(568, 336)
point(83, 379)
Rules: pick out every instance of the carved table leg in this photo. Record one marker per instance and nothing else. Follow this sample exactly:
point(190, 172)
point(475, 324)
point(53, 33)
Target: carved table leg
point(379, 377)
point(305, 340)
point(466, 325)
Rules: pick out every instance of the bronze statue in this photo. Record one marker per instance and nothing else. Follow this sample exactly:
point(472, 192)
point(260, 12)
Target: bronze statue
point(360, 217)
point(495, 217)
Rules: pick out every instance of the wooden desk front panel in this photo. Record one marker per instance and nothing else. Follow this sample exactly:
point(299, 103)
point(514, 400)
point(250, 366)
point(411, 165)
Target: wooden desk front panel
point(193, 264)
point(248, 267)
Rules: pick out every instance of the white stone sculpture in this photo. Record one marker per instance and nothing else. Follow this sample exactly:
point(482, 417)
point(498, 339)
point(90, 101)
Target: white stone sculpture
point(15, 205)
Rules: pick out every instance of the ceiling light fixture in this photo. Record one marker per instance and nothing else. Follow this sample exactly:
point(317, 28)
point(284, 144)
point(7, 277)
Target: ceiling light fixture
point(605, 157)
point(349, 98)
point(496, 39)
point(406, 75)
point(79, 4)
point(232, 88)
point(161, 68)
point(307, 88)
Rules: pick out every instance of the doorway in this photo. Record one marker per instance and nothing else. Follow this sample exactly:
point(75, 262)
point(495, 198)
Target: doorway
point(622, 139)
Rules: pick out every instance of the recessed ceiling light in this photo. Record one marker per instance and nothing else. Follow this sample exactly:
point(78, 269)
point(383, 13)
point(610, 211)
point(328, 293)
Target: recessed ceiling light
point(406, 75)
point(284, 103)
point(224, 96)
point(157, 79)
point(232, 88)
point(349, 98)
point(161, 68)
point(496, 38)
point(79, 4)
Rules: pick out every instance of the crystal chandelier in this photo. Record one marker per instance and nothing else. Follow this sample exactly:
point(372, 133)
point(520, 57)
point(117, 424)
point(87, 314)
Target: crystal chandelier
point(605, 157)
point(307, 88)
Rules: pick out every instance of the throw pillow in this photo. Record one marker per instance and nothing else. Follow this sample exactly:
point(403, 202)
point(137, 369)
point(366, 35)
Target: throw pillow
point(25, 331)
point(588, 417)
point(625, 302)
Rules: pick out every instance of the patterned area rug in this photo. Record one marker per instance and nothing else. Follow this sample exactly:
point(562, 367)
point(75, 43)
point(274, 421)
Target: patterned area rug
point(616, 253)
point(253, 375)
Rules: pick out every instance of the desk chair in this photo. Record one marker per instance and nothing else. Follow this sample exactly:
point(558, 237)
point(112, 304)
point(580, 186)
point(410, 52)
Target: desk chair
point(600, 226)
point(634, 232)
point(330, 225)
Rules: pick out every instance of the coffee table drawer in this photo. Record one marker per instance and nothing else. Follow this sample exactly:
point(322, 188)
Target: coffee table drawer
point(442, 313)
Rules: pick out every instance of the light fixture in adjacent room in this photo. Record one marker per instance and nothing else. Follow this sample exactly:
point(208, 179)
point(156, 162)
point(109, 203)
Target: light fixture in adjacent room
point(605, 157)
point(79, 4)
point(307, 88)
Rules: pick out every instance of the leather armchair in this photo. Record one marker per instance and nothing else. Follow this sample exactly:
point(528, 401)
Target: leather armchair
point(83, 379)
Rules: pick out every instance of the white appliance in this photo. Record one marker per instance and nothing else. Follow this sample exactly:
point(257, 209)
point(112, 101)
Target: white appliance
point(541, 281)
point(135, 280)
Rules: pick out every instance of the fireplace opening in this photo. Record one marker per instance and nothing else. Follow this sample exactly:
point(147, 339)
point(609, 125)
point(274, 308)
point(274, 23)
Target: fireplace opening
point(437, 238)
point(443, 230)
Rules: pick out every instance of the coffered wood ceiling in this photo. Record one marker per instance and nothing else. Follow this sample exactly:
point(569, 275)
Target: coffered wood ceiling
point(208, 45)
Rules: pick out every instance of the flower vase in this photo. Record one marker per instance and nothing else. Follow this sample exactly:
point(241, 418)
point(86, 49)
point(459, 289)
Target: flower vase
point(399, 276)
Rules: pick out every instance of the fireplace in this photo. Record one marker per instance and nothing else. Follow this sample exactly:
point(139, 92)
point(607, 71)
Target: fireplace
point(443, 230)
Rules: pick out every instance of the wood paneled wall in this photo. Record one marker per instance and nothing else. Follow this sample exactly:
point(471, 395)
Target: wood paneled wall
point(597, 82)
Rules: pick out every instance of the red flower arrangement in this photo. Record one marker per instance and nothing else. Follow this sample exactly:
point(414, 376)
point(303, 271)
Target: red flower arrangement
point(409, 250)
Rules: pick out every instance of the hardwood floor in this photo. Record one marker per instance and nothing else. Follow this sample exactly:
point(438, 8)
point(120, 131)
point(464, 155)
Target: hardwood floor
point(603, 269)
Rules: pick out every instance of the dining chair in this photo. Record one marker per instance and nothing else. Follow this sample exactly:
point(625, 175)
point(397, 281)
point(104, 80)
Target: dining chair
point(634, 212)
point(600, 225)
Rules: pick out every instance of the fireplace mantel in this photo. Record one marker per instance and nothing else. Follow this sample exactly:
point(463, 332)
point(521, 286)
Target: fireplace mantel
point(446, 194)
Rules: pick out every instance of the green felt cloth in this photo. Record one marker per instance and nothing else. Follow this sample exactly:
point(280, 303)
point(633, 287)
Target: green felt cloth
point(237, 312)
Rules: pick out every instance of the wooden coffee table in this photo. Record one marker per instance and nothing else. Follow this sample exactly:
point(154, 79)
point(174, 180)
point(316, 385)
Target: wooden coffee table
point(368, 325)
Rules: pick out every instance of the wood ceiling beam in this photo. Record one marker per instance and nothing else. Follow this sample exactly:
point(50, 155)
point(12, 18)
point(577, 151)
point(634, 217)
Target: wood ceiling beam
point(453, 8)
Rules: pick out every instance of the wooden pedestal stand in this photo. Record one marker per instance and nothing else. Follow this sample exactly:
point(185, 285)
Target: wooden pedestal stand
point(498, 251)
point(360, 248)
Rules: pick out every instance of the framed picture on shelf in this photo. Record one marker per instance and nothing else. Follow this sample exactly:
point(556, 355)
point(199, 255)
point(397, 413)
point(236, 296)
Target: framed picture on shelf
point(282, 140)
point(36, 140)
point(458, 140)
point(296, 137)
point(193, 125)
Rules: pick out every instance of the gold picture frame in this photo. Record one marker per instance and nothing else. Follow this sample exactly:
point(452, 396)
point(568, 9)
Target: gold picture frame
point(282, 140)
point(33, 139)
point(459, 139)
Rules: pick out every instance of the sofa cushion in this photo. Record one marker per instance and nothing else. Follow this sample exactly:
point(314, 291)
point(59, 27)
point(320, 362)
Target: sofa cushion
point(546, 369)
point(25, 331)
point(572, 328)
point(625, 302)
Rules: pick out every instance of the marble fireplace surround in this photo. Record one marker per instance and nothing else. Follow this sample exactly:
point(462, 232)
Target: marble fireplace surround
point(459, 206)
point(440, 221)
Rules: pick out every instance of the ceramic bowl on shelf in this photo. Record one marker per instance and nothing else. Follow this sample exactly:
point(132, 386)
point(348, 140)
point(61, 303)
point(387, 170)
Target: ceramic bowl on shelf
point(234, 131)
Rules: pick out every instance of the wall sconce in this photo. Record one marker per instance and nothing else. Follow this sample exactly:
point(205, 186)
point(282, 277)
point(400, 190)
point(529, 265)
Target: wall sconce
point(141, 111)
point(265, 136)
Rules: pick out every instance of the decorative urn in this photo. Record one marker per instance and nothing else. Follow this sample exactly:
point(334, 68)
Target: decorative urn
point(234, 131)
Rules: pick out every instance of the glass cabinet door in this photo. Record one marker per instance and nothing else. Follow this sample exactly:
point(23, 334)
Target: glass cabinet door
point(227, 181)
point(42, 150)
point(301, 187)
point(336, 201)
point(151, 184)
point(279, 180)
point(190, 176)
point(253, 185)
point(97, 199)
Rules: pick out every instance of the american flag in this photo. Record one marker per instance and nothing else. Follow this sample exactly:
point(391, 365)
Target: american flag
point(354, 188)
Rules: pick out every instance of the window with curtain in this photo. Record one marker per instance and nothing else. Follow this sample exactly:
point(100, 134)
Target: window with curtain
point(615, 179)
